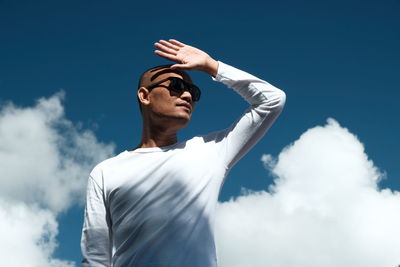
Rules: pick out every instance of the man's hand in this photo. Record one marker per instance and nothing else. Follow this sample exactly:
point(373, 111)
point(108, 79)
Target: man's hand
point(187, 57)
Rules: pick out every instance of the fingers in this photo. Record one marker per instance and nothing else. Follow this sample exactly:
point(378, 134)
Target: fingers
point(178, 66)
point(165, 48)
point(168, 44)
point(181, 66)
point(166, 55)
point(176, 42)
point(169, 50)
point(169, 47)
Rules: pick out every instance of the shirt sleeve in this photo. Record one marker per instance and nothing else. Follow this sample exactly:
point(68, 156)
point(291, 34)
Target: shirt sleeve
point(266, 103)
point(96, 240)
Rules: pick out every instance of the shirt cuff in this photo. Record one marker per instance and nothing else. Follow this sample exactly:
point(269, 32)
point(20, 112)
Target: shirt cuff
point(222, 68)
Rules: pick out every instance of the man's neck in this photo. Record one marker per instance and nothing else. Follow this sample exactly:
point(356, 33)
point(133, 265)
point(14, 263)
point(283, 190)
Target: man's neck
point(156, 137)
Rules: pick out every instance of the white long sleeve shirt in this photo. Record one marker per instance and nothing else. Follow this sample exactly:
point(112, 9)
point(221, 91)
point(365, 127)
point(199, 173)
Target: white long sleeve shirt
point(154, 207)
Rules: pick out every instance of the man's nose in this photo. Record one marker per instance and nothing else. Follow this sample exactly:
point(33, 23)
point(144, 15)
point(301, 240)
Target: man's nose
point(187, 96)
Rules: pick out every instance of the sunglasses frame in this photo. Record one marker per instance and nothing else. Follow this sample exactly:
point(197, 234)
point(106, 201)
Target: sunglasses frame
point(191, 88)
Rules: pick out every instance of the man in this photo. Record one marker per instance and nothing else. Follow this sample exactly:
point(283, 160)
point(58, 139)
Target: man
point(154, 206)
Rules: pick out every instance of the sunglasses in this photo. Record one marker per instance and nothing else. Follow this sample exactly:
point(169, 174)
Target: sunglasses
point(178, 85)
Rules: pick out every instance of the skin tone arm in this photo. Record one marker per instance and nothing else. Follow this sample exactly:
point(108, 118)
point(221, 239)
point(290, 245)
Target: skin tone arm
point(186, 56)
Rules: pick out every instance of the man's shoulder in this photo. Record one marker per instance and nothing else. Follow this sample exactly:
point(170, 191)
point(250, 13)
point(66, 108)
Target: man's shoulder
point(99, 168)
point(209, 138)
point(206, 140)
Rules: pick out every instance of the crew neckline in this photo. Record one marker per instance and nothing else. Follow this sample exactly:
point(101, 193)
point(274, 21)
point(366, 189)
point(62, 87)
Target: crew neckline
point(154, 149)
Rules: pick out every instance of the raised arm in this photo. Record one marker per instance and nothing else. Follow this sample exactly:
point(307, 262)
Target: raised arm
point(266, 101)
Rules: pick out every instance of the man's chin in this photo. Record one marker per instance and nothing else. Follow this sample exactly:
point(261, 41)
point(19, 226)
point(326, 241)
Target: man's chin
point(183, 120)
point(183, 116)
point(177, 120)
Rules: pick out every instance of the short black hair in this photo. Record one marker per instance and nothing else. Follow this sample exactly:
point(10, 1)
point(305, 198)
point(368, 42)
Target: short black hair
point(141, 79)
point(152, 69)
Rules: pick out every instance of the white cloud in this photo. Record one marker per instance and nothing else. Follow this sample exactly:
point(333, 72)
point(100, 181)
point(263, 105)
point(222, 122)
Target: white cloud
point(324, 209)
point(45, 161)
point(28, 236)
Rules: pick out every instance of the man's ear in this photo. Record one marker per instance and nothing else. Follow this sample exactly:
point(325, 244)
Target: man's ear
point(143, 95)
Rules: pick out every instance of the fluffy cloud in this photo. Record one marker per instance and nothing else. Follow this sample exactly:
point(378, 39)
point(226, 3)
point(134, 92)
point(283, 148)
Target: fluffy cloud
point(28, 236)
point(44, 162)
point(324, 209)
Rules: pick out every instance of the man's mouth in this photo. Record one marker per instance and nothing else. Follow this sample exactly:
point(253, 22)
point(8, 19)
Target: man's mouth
point(187, 105)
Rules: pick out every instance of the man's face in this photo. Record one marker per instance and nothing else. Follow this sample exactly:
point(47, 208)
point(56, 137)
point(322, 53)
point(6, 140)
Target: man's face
point(169, 105)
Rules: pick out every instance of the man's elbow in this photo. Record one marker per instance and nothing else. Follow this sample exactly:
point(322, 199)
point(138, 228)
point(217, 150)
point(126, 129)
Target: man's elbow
point(282, 98)
point(276, 102)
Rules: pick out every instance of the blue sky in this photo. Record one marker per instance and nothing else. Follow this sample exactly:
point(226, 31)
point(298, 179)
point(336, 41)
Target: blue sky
point(338, 59)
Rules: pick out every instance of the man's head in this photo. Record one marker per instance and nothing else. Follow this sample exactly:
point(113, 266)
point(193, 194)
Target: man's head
point(163, 98)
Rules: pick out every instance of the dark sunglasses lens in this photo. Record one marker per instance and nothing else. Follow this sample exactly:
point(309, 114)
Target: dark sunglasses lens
point(180, 86)
point(176, 85)
point(195, 92)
